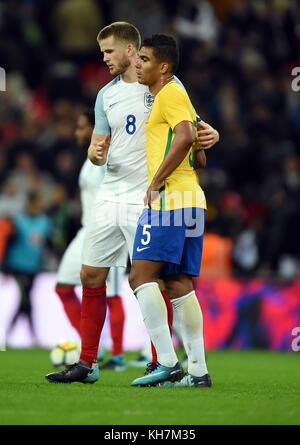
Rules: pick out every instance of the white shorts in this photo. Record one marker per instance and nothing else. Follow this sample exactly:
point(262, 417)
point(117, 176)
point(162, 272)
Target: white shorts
point(110, 234)
point(70, 266)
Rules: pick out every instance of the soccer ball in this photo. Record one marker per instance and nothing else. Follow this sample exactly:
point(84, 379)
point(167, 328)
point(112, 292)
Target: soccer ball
point(65, 353)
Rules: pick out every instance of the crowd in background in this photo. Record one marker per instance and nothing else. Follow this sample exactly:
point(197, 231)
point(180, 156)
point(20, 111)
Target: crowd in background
point(236, 63)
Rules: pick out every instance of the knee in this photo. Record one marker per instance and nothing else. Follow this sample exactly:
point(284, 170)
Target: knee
point(136, 277)
point(171, 290)
point(89, 277)
point(139, 275)
point(83, 276)
point(178, 288)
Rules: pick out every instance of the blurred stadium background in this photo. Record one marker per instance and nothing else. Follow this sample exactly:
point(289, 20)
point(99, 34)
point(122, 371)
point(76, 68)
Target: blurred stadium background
point(237, 58)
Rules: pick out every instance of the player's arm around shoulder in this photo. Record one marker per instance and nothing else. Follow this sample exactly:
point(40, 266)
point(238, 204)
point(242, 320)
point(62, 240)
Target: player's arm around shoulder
point(207, 135)
point(98, 149)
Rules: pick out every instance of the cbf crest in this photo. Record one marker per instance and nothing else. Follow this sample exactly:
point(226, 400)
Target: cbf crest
point(148, 100)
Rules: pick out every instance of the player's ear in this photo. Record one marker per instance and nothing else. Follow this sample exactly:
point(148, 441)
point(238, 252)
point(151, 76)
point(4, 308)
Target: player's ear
point(130, 49)
point(164, 67)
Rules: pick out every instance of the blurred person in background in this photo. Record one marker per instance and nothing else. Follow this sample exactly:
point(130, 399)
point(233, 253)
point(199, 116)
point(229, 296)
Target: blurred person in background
point(75, 24)
point(217, 255)
point(23, 257)
point(12, 200)
point(65, 169)
point(196, 20)
point(68, 274)
point(135, 11)
point(28, 178)
point(282, 193)
point(58, 212)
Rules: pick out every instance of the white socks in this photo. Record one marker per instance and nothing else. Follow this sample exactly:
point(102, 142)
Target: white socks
point(190, 321)
point(189, 315)
point(155, 317)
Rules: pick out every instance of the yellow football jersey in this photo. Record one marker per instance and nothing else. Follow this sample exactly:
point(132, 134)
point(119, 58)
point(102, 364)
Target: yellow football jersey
point(172, 106)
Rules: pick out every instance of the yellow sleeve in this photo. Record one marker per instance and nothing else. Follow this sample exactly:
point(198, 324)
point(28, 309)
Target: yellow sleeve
point(175, 106)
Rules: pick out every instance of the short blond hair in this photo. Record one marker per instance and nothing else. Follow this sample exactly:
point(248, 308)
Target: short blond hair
point(123, 32)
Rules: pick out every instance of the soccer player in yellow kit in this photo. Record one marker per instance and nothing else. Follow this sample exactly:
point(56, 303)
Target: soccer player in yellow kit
point(169, 237)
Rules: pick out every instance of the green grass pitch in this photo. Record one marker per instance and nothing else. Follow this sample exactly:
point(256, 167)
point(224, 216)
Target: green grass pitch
point(249, 388)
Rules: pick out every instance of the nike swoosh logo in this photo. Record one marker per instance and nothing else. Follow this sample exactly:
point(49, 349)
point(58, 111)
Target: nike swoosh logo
point(139, 249)
point(111, 105)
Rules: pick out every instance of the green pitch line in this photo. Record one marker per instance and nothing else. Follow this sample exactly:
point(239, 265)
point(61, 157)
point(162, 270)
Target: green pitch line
point(249, 388)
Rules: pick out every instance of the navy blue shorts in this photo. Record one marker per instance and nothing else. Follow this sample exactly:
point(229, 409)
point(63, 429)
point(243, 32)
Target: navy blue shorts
point(174, 236)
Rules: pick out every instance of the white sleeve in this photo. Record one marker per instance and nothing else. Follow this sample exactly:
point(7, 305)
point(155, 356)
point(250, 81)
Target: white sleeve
point(101, 123)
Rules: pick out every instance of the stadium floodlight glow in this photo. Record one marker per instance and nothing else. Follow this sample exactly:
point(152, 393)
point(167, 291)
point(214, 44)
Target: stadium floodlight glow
point(296, 81)
point(2, 79)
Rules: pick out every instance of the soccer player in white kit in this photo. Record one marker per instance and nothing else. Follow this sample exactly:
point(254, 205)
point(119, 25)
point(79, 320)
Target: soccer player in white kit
point(121, 109)
point(68, 274)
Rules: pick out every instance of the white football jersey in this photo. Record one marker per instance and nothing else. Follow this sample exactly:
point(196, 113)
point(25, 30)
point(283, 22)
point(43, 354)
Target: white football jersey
point(90, 178)
point(121, 110)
